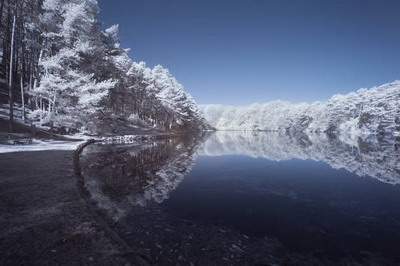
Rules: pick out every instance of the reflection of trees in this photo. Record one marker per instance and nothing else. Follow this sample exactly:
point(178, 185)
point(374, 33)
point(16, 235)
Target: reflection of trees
point(119, 176)
point(374, 158)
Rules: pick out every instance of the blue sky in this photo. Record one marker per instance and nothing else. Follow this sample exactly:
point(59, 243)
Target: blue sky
point(243, 51)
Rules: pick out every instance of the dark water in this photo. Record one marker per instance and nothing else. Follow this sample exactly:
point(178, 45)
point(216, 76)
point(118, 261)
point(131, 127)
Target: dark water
point(252, 199)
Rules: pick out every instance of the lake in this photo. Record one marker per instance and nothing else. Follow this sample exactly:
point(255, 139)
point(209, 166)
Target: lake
point(251, 198)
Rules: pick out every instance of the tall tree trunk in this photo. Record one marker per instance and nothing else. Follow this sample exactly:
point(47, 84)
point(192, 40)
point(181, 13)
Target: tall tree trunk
point(1, 10)
point(30, 83)
point(10, 82)
point(22, 66)
point(37, 74)
point(23, 98)
point(2, 27)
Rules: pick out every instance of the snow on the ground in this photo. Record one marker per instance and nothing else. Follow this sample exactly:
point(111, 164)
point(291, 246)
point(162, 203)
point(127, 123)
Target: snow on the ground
point(39, 145)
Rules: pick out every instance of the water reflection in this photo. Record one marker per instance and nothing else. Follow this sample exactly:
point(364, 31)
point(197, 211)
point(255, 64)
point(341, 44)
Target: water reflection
point(233, 197)
point(120, 176)
point(374, 158)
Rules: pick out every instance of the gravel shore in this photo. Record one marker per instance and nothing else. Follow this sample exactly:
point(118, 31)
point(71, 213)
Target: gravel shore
point(43, 218)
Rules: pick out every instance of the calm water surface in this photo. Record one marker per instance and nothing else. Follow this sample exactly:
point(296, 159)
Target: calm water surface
point(251, 198)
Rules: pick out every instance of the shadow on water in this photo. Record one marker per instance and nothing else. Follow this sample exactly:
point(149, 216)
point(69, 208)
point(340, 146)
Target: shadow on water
point(249, 198)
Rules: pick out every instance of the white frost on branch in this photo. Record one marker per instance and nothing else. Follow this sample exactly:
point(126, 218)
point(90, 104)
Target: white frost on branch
point(365, 112)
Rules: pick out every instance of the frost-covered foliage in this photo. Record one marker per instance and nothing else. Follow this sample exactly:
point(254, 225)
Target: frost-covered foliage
point(68, 92)
point(152, 95)
point(367, 111)
point(79, 78)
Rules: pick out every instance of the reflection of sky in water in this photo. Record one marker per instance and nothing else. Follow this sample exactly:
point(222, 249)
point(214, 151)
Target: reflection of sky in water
point(380, 160)
point(310, 192)
point(305, 204)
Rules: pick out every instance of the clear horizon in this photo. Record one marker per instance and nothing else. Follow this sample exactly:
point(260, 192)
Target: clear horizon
point(239, 53)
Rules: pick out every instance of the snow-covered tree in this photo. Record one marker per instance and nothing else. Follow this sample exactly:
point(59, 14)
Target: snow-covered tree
point(74, 75)
point(67, 93)
point(374, 111)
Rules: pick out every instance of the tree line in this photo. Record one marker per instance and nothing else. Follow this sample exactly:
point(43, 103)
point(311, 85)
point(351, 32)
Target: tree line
point(62, 71)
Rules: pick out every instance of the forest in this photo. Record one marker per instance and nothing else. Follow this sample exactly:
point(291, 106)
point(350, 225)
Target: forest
point(60, 71)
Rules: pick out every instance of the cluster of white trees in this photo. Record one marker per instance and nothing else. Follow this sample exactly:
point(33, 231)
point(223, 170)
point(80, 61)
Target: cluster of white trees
point(67, 90)
point(373, 111)
point(70, 74)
